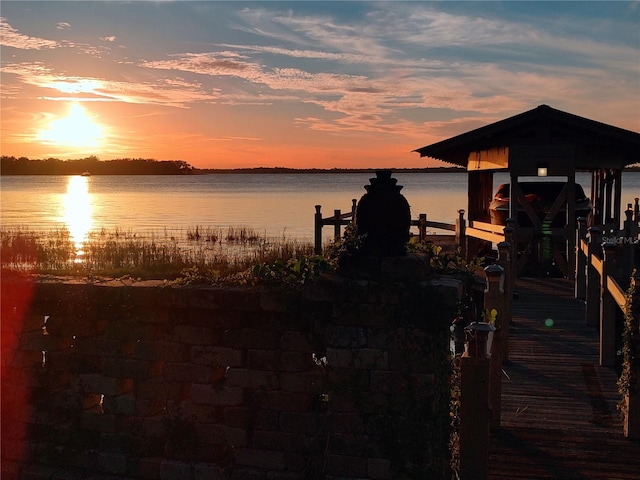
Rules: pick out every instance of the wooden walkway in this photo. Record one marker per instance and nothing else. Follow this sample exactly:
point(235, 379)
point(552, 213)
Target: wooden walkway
point(559, 417)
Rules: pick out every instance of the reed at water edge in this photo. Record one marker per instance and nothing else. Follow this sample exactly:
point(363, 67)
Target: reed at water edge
point(155, 255)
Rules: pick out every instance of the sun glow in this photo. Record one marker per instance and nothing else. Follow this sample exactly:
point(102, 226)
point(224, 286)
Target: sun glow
point(77, 212)
point(77, 129)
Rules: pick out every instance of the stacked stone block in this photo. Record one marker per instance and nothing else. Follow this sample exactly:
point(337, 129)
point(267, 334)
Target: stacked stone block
point(386, 347)
point(145, 381)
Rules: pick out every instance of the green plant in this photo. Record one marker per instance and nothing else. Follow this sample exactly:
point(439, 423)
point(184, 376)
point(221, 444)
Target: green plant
point(454, 417)
point(347, 246)
point(197, 276)
point(416, 246)
point(630, 342)
point(490, 316)
point(453, 263)
point(294, 272)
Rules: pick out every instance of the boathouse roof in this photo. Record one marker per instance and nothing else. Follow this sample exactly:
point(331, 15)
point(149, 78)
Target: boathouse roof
point(544, 125)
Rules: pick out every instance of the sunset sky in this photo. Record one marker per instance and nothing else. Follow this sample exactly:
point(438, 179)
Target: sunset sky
point(301, 84)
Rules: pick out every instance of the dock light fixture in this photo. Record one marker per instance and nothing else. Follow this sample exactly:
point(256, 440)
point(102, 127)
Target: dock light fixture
point(542, 170)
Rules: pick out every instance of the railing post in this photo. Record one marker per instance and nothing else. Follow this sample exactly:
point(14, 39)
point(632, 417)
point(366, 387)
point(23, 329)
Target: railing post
point(422, 227)
point(336, 225)
point(510, 237)
point(608, 308)
point(318, 231)
point(592, 295)
point(474, 404)
point(461, 235)
point(494, 315)
point(354, 207)
point(629, 247)
point(631, 421)
point(580, 285)
point(504, 260)
point(627, 225)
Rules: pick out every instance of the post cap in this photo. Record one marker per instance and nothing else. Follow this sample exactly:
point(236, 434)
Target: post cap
point(494, 270)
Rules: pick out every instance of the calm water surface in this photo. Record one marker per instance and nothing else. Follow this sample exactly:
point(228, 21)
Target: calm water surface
point(271, 204)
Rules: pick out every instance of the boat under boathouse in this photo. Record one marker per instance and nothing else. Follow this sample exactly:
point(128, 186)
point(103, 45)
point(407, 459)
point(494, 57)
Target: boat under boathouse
point(540, 142)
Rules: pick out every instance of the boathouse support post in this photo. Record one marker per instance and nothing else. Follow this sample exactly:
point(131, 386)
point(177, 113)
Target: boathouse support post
point(631, 420)
point(510, 237)
point(580, 284)
point(494, 312)
point(461, 226)
point(504, 260)
point(592, 307)
point(630, 234)
point(571, 226)
point(617, 193)
point(608, 308)
point(318, 231)
point(628, 225)
point(475, 414)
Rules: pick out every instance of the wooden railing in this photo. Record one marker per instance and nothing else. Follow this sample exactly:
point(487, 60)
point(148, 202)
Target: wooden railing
point(486, 231)
point(476, 229)
point(603, 262)
point(340, 219)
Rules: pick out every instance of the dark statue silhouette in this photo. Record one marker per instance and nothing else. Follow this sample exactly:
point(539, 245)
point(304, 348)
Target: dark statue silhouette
point(384, 217)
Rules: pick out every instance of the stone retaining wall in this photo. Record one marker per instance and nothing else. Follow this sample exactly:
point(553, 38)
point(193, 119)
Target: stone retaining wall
point(348, 379)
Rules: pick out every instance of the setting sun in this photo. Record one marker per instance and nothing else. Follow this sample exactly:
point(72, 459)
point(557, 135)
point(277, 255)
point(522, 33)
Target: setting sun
point(77, 129)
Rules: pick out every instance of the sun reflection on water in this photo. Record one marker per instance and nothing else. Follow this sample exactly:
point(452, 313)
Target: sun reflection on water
point(78, 211)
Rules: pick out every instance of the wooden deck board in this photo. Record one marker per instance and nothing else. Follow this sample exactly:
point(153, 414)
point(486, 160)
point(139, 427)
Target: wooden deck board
point(559, 417)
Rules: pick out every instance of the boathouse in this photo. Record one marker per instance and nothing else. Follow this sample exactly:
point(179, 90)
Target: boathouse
point(552, 403)
point(546, 142)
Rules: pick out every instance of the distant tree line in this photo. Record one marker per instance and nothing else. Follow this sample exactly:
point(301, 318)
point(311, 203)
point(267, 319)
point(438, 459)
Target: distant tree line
point(93, 165)
point(150, 166)
point(326, 170)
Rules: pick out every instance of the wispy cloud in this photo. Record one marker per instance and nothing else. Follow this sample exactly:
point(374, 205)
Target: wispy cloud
point(173, 92)
point(10, 37)
point(215, 63)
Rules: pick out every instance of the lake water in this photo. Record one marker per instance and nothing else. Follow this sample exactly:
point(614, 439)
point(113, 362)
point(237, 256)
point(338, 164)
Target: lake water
point(272, 204)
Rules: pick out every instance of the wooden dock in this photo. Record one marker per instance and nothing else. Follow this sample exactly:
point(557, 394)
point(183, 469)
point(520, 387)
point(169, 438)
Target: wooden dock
point(559, 417)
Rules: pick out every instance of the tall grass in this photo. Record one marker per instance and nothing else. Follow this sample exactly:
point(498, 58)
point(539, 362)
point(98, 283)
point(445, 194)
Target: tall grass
point(160, 255)
point(22, 249)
